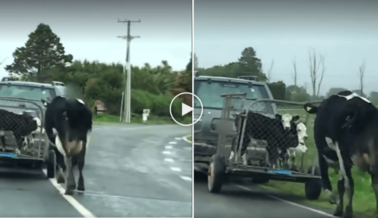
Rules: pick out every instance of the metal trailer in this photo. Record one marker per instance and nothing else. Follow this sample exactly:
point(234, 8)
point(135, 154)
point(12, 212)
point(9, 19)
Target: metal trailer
point(222, 168)
point(34, 154)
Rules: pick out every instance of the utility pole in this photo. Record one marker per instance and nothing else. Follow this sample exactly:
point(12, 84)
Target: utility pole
point(127, 71)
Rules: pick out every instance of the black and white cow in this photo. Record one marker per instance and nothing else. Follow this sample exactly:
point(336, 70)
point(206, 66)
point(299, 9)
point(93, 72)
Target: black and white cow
point(290, 122)
point(22, 125)
point(72, 120)
point(271, 130)
point(345, 130)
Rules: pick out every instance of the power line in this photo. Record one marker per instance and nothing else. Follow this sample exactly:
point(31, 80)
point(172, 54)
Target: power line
point(127, 71)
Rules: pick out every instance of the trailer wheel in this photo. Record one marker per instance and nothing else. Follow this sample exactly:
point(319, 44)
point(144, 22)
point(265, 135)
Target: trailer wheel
point(313, 187)
point(50, 164)
point(215, 174)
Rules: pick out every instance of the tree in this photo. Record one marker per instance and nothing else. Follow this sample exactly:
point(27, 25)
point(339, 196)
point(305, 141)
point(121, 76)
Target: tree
point(361, 75)
point(295, 75)
point(195, 62)
point(269, 73)
point(297, 94)
point(315, 63)
point(249, 64)
point(278, 90)
point(43, 52)
point(2, 61)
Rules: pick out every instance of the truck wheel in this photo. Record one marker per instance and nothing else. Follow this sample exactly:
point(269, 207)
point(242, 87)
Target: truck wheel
point(216, 174)
point(51, 163)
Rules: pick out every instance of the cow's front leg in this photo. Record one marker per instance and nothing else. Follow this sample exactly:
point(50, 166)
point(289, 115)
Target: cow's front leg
point(70, 178)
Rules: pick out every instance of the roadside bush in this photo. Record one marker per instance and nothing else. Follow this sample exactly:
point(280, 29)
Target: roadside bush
point(158, 104)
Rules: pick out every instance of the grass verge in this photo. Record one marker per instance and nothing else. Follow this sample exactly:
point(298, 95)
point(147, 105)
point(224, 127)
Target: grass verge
point(107, 118)
point(189, 138)
point(363, 200)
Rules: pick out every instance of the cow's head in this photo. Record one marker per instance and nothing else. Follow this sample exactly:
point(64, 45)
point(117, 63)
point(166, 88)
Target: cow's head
point(286, 120)
point(310, 108)
point(298, 136)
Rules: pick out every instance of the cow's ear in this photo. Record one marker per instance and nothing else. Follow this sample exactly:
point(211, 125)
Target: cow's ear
point(278, 116)
point(309, 108)
point(295, 118)
point(45, 103)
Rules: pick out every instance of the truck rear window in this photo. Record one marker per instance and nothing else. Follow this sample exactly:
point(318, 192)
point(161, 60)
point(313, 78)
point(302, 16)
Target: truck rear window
point(209, 93)
point(26, 92)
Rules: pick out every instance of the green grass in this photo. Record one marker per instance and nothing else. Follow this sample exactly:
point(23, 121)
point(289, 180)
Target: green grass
point(106, 118)
point(364, 198)
point(190, 138)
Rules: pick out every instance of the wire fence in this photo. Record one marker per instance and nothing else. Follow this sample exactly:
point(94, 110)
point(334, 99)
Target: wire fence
point(21, 129)
point(260, 140)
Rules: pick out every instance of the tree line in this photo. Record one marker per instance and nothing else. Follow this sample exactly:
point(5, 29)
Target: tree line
point(249, 64)
point(43, 59)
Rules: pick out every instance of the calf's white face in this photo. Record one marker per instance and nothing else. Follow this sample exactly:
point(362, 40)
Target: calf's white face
point(302, 136)
point(285, 119)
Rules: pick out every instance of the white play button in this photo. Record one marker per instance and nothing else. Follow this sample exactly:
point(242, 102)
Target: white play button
point(185, 109)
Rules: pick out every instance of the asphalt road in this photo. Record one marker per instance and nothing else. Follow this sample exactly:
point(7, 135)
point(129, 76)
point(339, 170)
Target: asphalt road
point(242, 199)
point(126, 175)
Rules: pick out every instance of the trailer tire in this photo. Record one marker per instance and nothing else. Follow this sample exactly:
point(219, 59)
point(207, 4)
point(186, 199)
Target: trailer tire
point(313, 187)
point(216, 174)
point(51, 164)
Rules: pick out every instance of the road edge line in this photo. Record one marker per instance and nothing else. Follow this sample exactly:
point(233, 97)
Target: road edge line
point(185, 138)
point(290, 202)
point(71, 200)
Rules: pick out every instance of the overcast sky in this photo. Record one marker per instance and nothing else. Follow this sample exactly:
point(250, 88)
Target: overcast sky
point(89, 29)
point(345, 31)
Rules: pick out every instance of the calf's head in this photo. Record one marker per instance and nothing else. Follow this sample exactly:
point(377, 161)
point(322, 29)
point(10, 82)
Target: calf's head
point(286, 120)
point(301, 130)
point(32, 123)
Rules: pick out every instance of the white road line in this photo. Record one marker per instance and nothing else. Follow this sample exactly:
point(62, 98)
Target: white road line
point(166, 152)
point(185, 138)
point(186, 178)
point(149, 141)
point(172, 143)
point(168, 147)
point(80, 208)
point(176, 169)
point(178, 138)
point(291, 203)
point(168, 160)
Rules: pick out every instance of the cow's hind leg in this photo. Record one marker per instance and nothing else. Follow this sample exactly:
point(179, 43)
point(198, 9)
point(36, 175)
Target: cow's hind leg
point(374, 184)
point(348, 182)
point(61, 167)
point(340, 201)
point(323, 167)
point(70, 178)
point(81, 162)
point(349, 189)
